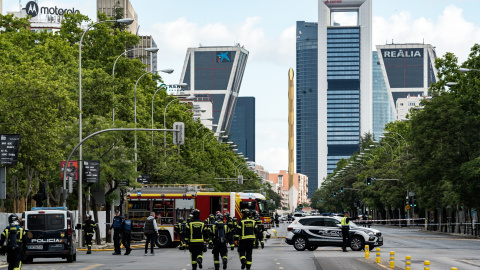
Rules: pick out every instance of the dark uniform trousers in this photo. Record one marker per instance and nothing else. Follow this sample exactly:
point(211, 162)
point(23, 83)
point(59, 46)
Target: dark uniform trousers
point(245, 249)
point(346, 237)
point(126, 239)
point(116, 239)
point(14, 258)
point(196, 251)
point(219, 249)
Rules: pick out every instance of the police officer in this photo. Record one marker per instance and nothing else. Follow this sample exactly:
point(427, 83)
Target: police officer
point(197, 234)
point(245, 233)
point(126, 229)
point(180, 229)
point(260, 229)
point(277, 220)
point(88, 228)
point(219, 232)
point(209, 222)
point(16, 243)
point(116, 226)
point(231, 228)
point(345, 222)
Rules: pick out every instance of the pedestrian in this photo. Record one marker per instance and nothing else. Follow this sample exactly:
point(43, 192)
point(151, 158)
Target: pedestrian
point(345, 222)
point(260, 229)
point(180, 230)
point(117, 232)
point(126, 234)
point(245, 233)
point(219, 232)
point(231, 230)
point(88, 228)
point(197, 234)
point(150, 230)
point(16, 243)
point(277, 219)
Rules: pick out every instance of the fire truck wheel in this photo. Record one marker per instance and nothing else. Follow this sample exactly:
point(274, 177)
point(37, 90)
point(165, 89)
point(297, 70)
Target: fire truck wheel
point(163, 240)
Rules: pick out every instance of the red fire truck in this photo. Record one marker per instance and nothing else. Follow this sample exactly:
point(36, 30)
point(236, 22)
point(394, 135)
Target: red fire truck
point(171, 202)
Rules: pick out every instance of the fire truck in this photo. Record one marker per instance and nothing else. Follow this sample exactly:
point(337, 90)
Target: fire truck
point(172, 202)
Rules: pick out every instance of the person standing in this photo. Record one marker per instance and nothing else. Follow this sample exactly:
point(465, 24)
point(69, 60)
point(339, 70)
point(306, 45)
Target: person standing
point(259, 232)
point(231, 230)
point(126, 228)
point(151, 232)
point(219, 232)
point(345, 222)
point(88, 228)
point(116, 226)
point(197, 234)
point(16, 243)
point(209, 223)
point(180, 229)
point(245, 233)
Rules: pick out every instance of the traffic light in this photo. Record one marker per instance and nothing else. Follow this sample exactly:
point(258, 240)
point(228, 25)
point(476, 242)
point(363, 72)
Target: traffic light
point(41, 195)
point(341, 189)
point(334, 194)
point(414, 202)
point(369, 181)
point(300, 206)
point(321, 200)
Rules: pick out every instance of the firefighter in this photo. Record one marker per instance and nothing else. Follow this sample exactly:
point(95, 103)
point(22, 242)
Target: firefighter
point(245, 233)
point(231, 227)
point(219, 232)
point(197, 234)
point(88, 229)
point(180, 229)
point(260, 229)
point(209, 223)
point(16, 243)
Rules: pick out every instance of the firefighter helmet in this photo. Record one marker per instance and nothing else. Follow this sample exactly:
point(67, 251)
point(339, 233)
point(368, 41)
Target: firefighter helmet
point(196, 213)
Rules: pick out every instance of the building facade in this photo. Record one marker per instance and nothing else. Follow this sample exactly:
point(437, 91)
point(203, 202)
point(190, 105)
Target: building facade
point(382, 111)
point(149, 59)
point(279, 181)
point(306, 101)
point(108, 7)
point(344, 82)
point(215, 74)
point(242, 131)
point(408, 71)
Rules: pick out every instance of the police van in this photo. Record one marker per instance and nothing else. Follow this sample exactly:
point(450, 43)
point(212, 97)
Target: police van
point(50, 233)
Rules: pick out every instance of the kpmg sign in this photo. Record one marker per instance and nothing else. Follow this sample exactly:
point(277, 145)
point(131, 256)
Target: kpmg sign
point(33, 10)
point(402, 53)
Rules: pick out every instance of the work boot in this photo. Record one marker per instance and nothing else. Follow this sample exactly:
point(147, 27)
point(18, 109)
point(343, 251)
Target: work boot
point(199, 262)
point(217, 266)
point(263, 245)
point(89, 251)
point(232, 247)
point(244, 263)
point(224, 261)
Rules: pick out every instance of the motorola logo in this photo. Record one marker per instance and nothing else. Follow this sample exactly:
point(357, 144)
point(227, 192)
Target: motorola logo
point(32, 8)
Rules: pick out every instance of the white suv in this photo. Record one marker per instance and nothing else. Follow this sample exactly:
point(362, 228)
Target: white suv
point(314, 231)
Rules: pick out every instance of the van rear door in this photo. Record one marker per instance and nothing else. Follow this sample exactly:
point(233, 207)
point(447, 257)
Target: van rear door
point(46, 232)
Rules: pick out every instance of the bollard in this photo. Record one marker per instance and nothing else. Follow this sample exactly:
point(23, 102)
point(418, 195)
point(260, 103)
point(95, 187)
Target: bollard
point(392, 259)
point(426, 265)
point(275, 232)
point(408, 263)
point(377, 259)
point(367, 252)
point(453, 268)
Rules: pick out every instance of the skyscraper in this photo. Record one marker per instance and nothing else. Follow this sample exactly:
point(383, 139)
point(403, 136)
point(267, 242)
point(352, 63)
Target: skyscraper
point(344, 81)
point(408, 71)
point(215, 74)
point(382, 111)
point(306, 102)
point(108, 7)
point(242, 130)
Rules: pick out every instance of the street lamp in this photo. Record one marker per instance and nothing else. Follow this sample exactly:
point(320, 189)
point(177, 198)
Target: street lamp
point(395, 140)
point(165, 124)
point(385, 149)
point(152, 50)
point(465, 70)
point(203, 144)
point(80, 150)
point(406, 145)
point(168, 71)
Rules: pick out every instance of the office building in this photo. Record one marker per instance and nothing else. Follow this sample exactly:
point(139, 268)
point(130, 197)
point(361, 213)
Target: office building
point(344, 81)
point(242, 131)
point(307, 102)
point(108, 7)
point(382, 111)
point(215, 74)
point(408, 71)
point(147, 58)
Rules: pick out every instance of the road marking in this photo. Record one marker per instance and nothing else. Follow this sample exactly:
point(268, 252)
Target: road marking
point(280, 267)
point(278, 263)
point(90, 267)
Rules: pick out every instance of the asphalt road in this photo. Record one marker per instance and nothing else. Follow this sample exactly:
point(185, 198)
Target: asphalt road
point(444, 252)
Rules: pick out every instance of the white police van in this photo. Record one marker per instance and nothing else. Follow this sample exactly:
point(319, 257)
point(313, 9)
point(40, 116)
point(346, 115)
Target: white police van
point(50, 232)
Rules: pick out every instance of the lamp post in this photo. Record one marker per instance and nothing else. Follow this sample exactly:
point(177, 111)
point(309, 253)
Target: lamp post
point(165, 123)
point(80, 150)
point(168, 71)
point(391, 149)
point(152, 50)
point(203, 144)
point(395, 140)
point(386, 152)
point(406, 145)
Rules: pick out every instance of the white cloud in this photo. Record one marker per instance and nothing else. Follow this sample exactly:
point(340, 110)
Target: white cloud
point(449, 32)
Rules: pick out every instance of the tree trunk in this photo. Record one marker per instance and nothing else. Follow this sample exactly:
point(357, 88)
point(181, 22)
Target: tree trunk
point(98, 238)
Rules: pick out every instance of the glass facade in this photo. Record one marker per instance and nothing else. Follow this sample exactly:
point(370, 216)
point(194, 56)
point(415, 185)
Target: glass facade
point(382, 111)
point(306, 103)
point(242, 130)
point(343, 94)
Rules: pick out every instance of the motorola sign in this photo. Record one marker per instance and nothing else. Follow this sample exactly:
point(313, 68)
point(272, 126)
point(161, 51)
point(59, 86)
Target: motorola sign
point(33, 10)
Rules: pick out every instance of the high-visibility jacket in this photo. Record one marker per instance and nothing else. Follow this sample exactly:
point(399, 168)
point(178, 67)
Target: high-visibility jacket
point(246, 229)
point(219, 232)
point(89, 226)
point(13, 241)
point(196, 232)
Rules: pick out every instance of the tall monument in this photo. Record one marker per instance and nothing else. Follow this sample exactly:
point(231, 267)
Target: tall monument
point(292, 190)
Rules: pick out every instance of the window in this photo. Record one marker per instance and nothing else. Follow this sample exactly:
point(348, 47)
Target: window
point(329, 222)
point(317, 222)
point(306, 221)
point(45, 222)
point(280, 180)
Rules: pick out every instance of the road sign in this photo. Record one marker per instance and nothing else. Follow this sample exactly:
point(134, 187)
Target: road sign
point(179, 136)
point(124, 183)
point(144, 179)
point(9, 145)
point(407, 206)
point(91, 171)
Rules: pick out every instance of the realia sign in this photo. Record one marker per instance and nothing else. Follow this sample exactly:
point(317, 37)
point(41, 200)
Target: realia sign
point(33, 10)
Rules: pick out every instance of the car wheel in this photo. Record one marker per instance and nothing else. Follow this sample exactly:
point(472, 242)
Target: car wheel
point(29, 259)
point(357, 243)
point(70, 258)
point(163, 241)
point(300, 243)
point(75, 257)
point(312, 248)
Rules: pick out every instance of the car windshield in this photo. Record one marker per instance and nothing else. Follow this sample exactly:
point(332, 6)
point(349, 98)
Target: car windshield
point(262, 207)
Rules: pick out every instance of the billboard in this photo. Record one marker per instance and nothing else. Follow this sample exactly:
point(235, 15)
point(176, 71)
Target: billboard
point(404, 67)
point(9, 146)
point(72, 170)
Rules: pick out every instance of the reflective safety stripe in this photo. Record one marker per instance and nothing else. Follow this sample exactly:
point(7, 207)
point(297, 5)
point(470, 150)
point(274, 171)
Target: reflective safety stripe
point(249, 263)
point(344, 221)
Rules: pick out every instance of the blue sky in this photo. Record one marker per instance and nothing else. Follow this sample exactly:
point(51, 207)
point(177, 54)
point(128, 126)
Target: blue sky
point(267, 30)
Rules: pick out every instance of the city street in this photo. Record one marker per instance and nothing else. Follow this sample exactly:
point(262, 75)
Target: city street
point(443, 251)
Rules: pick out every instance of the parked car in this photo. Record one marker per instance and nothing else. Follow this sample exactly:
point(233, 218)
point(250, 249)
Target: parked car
point(314, 231)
